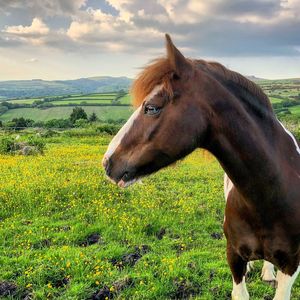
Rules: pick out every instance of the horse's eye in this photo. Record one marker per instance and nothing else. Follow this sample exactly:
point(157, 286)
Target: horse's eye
point(151, 110)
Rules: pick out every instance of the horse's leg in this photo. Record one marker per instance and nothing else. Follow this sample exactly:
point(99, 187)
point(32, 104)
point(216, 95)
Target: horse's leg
point(238, 268)
point(250, 266)
point(284, 285)
point(268, 273)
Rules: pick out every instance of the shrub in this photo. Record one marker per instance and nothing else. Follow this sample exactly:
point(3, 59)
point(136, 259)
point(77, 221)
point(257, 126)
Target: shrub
point(49, 133)
point(108, 128)
point(58, 123)
point(81, 123)
point(93, 117)
point(37, 143)
point(7, 145)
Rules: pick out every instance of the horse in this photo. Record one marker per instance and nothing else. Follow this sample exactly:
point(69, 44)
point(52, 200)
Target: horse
point(183, 104)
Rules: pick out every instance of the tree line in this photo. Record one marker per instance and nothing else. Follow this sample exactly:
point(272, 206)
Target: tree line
point(77, 118)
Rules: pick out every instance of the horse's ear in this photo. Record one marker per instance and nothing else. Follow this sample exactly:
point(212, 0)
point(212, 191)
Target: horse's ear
point(178, 61)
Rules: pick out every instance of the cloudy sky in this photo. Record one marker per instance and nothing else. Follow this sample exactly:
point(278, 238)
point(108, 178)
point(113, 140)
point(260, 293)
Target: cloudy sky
point(65, 39)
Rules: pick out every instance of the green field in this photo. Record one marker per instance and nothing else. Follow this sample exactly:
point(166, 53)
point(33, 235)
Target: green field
point(279, 91)
point(295, 110)
point(24, 101)
point(275, 100)
point(79, 101)
point(67, 232)
point(103, 113)
point(125, 100)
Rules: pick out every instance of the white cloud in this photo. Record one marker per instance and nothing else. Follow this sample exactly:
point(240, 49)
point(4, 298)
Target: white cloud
point(37, 28)
point(110, 33)
point(44, 8)
point(213, 27)
point(122, 7)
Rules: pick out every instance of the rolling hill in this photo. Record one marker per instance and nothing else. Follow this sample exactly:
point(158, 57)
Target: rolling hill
point(38, 88)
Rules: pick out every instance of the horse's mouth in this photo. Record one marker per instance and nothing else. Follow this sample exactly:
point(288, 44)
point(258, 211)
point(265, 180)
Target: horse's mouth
point(127, 180)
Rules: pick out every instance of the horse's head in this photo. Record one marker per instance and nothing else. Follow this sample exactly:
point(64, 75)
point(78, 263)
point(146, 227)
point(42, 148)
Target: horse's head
point(167, 124)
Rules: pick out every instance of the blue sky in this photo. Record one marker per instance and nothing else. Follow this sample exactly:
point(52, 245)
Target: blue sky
point(64, 39)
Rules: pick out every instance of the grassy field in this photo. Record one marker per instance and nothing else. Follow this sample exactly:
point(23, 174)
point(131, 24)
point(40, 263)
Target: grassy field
point(90, 98)
point(79, 101)
point(295, 110)
point(68, 233)
point(277, 90)
point(103, 113)
point(24, 101)
point(275, 100)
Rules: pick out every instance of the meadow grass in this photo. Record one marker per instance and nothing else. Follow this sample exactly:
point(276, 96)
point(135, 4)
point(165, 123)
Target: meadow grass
point(275, 100)
point(23, 101)
point(67, 232)
point(79, 101)
point(103, 112)
point(295, 110)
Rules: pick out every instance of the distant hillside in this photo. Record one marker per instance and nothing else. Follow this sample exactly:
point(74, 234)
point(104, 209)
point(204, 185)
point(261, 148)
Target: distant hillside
point(254, 78)
point(39, 88)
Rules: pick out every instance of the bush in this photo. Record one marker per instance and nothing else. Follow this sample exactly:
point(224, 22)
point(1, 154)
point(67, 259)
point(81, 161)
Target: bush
point(81, 123)
point(37, 143)
point(58, 123)
point(108, 128)
point(7, 145)
point(34, 145)
point(93, 117)
point(10, 125)
point(49, 133)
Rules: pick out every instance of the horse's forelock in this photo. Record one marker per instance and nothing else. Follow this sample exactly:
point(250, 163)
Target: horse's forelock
point(156, 73)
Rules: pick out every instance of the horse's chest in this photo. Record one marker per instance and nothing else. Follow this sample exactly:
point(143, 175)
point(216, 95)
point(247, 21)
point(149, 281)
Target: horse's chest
point(252, 239)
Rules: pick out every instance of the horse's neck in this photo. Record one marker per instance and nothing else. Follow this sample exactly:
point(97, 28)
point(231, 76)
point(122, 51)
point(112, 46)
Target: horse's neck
point(257, 153)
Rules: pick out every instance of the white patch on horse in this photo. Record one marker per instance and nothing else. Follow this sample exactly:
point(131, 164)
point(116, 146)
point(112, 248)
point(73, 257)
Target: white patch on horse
point(239, 291)
point(228, 186)
point(115, 142)
point(268, 272)
point(285, 283)
point(291, 135)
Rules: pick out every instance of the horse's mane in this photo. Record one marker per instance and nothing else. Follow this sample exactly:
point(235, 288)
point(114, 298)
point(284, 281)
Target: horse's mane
point(159, 70)
point(222, 73)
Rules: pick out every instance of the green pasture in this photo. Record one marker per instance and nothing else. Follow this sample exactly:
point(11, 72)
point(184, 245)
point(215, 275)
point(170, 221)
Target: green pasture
point(68, 233)
point(24, 101)
point(295, 110)
point(98, 95)
point(125, 99)
point(275, 100)
point(103, 113)
point(79, 101)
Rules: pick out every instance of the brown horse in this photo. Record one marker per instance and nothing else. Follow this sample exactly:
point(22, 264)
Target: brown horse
point(184, 104)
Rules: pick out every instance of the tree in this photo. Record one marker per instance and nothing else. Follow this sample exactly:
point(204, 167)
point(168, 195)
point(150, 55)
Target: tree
point(58, 123)
point(22, 123)
point(78, 113)
point(93, 117)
